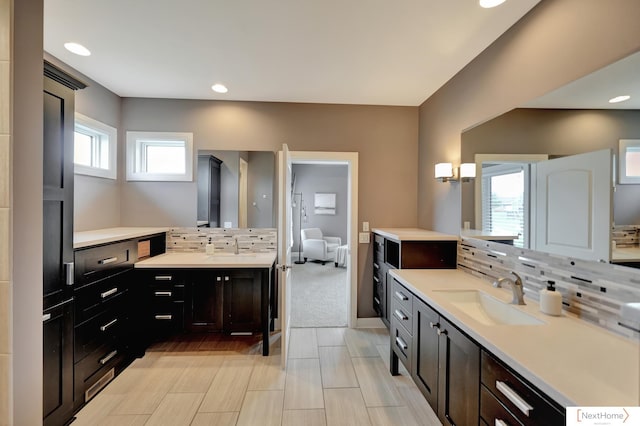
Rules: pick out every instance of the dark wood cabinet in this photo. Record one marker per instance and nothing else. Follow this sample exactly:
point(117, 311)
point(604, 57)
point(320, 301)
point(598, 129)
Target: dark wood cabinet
point(204, 296)
point(242, 300)
point(424, 369)
point(57, 256)
point(389, 254)
point(209, 191)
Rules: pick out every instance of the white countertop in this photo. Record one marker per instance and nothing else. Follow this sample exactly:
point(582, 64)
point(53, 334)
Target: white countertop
point(109, 235)
point(625, 254)
point(414, 234)
point(202, 260)
point(573, 362)
point(486, 235)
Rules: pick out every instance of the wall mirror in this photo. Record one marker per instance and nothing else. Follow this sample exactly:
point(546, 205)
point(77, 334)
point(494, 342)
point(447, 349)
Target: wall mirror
point(245, 198)
point(573, 120)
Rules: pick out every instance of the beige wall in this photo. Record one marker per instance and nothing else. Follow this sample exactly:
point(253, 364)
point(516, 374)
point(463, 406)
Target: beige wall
point(384, 137)
point(27, 212)
point(557, 42)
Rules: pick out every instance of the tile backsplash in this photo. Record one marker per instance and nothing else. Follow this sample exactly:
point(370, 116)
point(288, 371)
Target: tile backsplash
point(593, 291)
point(249, 240)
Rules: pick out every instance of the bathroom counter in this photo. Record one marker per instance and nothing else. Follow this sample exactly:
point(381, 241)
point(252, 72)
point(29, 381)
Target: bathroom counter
point(486, 235)
point(108, 235)
point(413, 234)
point(202, 260)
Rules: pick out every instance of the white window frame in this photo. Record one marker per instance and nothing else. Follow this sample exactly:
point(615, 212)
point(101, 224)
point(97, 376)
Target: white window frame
point(625, 144)
point(137, 141)
point(104, 133)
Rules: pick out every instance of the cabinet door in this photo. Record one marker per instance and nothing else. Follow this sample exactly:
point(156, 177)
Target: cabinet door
point(425, 357)
point(242, 298)
point(57, 329)
point(459, 377)
point(204, 295)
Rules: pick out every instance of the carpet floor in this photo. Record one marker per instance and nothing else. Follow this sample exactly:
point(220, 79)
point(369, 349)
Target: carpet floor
point(318, 295)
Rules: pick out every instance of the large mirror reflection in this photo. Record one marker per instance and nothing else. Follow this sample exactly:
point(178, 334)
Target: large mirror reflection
point(594, 212)
point(236, 189)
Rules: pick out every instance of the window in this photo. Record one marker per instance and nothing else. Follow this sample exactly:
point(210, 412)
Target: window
point(95, 148)
point(505, 200)
point(159, 156)
point(629, 164)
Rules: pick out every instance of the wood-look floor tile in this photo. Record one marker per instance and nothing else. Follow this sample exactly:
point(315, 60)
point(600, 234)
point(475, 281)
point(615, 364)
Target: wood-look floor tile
point(303, 343)
point(267, 374)
point(362, 342)
point(345, 407)
point(229, 386)
point(303, 385)
point(215, 419)
point(139, 403)
point(304, 417)
point(125, 420)
point(404, 378)
point(376, 383)
point(392, 416)
point(176, 409)
point(97, 409)
point(336, 368)
point(331, 336)
point(197, 377)
point(415, 401)
point(262, 408)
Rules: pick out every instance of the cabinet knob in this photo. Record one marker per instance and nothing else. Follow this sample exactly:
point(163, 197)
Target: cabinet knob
point(441, 332)
point(226, 278)
point(434, 324)
point(218, 278)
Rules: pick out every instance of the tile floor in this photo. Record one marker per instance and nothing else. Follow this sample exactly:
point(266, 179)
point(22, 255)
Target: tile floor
point(335, 376)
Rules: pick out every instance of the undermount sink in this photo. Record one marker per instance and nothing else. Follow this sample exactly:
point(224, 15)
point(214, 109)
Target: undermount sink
point(227, 254)
point(487, 309)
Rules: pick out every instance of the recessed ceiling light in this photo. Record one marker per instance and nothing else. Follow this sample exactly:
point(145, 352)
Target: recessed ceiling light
point(487, 4)
point(219, 88)
point(77, 48)
point(619, 99)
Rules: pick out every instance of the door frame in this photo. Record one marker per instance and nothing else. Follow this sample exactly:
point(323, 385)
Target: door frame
point(350, 159)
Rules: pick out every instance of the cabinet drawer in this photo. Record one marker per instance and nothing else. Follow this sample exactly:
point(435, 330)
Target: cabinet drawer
point(401, 342)
point(401, 298)
point(95, 263)
point(378, 242)
point(167, 317)
point(106, 328)
point(99, 296)
point(94, 366)
point(492, 411)
point(516, 395)
point(401, 317)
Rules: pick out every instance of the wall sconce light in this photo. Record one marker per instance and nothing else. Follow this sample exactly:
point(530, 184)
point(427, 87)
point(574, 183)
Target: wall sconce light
point(445, 172)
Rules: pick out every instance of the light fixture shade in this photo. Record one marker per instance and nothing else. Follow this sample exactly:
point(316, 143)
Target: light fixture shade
point(468, 170)
point(444, 170)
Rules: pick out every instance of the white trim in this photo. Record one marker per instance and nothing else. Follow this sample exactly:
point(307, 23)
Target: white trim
point(111, 134)
point(136, 139)
point(351, 160)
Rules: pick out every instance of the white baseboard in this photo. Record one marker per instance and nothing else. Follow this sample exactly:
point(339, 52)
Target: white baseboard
point(369, 323)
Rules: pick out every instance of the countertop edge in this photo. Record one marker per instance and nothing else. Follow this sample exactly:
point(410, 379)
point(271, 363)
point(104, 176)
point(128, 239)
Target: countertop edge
point(414, 234)
point(83, 239)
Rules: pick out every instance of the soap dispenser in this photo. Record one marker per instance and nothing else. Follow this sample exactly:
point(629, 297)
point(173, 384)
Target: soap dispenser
point(550, 300)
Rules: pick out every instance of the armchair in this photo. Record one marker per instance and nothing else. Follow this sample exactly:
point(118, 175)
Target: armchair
point(318, 247)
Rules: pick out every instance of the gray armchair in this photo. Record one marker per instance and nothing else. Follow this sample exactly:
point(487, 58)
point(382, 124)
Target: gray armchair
point(318, 247)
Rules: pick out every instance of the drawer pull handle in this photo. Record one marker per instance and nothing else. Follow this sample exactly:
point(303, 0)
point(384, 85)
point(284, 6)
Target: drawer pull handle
point(163, 293)
point(109, 357)
point(163, 277)
point(401, 316)
point(514, 398)
point(375, 265)
point(375, 299)
point(46, 317)
point(107, 261)
point(109, 324)
point(376, 279)
point(401, 344)
point(434, 324)
point(108, 293)
point(441, 332)
point(164, 317)
point(401, 296)
point(501, 423)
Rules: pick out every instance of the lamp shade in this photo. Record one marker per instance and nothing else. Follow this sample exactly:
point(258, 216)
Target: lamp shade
point(444, 170)
point(468, 170)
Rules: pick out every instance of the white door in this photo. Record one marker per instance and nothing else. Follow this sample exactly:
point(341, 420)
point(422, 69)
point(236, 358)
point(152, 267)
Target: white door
point(573, 211)
point(285, 222)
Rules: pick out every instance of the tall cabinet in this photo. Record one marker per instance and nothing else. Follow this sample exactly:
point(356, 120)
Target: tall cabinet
point(209, 191)
point(58, 273)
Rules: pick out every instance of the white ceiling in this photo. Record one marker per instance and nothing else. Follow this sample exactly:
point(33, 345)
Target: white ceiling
point(594, 90)
point(377, 52)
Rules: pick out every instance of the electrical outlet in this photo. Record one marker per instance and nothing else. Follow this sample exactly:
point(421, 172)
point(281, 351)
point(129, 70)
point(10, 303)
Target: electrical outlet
point(365, 226)
point(364, 238)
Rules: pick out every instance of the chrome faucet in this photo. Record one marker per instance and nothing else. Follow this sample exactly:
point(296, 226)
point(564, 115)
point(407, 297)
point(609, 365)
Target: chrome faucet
point(516, 288)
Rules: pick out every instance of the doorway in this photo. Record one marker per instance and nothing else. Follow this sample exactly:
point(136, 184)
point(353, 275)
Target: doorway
point(319, 275)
